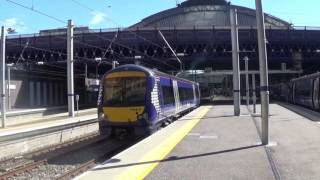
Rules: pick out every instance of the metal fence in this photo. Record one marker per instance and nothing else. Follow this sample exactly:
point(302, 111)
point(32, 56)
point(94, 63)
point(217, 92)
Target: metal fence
point(292, 28)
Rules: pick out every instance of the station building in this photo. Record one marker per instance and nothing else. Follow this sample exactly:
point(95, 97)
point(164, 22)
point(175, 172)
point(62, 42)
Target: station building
point(199, 32)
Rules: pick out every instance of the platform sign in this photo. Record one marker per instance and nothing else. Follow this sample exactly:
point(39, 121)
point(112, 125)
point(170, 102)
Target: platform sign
point(92, 84)
point(12, 87)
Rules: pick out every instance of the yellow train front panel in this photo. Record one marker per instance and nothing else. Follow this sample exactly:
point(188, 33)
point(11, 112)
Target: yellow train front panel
point(123, 114)
point(124, 96)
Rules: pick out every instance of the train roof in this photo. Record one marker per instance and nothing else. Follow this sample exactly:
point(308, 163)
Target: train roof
point(306, 77)
point(147, 70)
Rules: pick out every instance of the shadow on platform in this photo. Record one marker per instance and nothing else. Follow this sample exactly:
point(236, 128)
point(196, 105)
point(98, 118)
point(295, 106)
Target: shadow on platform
point(175, 158)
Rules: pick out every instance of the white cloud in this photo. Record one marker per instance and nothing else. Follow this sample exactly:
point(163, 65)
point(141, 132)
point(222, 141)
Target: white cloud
point(14, 23)
point(97, 18)
point(11, 22)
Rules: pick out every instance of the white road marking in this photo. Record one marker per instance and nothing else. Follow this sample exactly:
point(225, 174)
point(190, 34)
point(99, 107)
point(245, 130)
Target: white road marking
point(245, 115)
point(208, 137)
point(194, 134)
point(272, 144)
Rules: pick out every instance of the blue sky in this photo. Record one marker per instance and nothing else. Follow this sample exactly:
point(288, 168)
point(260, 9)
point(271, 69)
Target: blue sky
point(112, 13)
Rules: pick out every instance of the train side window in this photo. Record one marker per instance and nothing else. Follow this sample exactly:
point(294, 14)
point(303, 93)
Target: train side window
point(181, 94)
point(168, 96)
point(185, 93)
point(303, 88)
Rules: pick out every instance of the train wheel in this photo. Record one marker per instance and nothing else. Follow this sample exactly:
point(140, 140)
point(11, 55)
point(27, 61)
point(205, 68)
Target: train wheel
point(108, 131)
point(112, 132)
point(103, 130)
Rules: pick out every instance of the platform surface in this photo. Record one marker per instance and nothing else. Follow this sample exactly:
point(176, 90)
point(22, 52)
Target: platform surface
point(221, 146)
point(28, 122)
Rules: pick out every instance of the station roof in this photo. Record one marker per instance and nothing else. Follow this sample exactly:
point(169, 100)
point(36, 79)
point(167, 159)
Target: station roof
point(206, 13)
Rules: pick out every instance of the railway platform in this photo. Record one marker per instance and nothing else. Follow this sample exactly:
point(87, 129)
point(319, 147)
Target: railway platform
point(210, 143)
point(28, 120)
point(30, 130)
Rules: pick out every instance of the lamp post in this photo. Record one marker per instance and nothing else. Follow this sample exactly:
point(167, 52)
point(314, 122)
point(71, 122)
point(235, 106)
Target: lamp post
point(246, 60)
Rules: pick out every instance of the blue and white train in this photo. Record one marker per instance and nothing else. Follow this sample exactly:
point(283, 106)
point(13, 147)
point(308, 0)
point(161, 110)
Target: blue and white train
point(142, 100)
point(303, 91)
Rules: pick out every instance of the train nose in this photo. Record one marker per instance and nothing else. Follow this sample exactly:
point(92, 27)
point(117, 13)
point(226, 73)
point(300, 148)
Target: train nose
point(123, 114)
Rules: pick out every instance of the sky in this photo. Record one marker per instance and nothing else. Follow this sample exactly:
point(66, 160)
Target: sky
point(114, 13)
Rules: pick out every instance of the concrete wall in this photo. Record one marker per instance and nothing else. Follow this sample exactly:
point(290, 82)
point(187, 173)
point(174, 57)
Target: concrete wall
point(22, 146)
point(31, 89)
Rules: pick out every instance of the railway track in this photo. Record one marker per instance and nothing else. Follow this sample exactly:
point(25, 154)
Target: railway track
point(65, 162)
point(21, 169)
point(17, 165)
point(90, 164)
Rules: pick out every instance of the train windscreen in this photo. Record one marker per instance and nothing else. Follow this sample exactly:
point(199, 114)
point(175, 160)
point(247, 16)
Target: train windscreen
point(125, 91)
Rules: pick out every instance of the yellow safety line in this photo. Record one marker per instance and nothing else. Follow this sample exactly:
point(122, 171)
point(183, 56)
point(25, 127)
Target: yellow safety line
point(153, 158)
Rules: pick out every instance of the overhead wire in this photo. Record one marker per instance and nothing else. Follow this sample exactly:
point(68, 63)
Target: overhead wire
point(21, 54)
point(110, 45)
point(93, 11)
point(119, 44)
point(64, 22)
point(83, 6)
point(44, 14)
point(52, 52)
point(37, 11)
point(117, 24)
point(103, 49)
point(54, 18)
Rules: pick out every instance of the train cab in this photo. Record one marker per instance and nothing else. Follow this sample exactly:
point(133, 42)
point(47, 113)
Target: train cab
point(124, 96)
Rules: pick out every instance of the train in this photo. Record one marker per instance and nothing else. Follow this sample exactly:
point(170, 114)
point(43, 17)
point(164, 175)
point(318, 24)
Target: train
point(140, 100)
point(303, 91)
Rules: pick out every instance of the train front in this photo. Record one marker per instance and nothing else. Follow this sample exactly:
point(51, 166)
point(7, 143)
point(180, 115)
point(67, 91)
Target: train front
point(123, 102)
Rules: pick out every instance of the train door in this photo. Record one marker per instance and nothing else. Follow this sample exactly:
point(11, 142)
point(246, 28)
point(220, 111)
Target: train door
point(315, 94)
point(199, 94)
point(194, 94)
point(294, 93)
point(176, 95)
